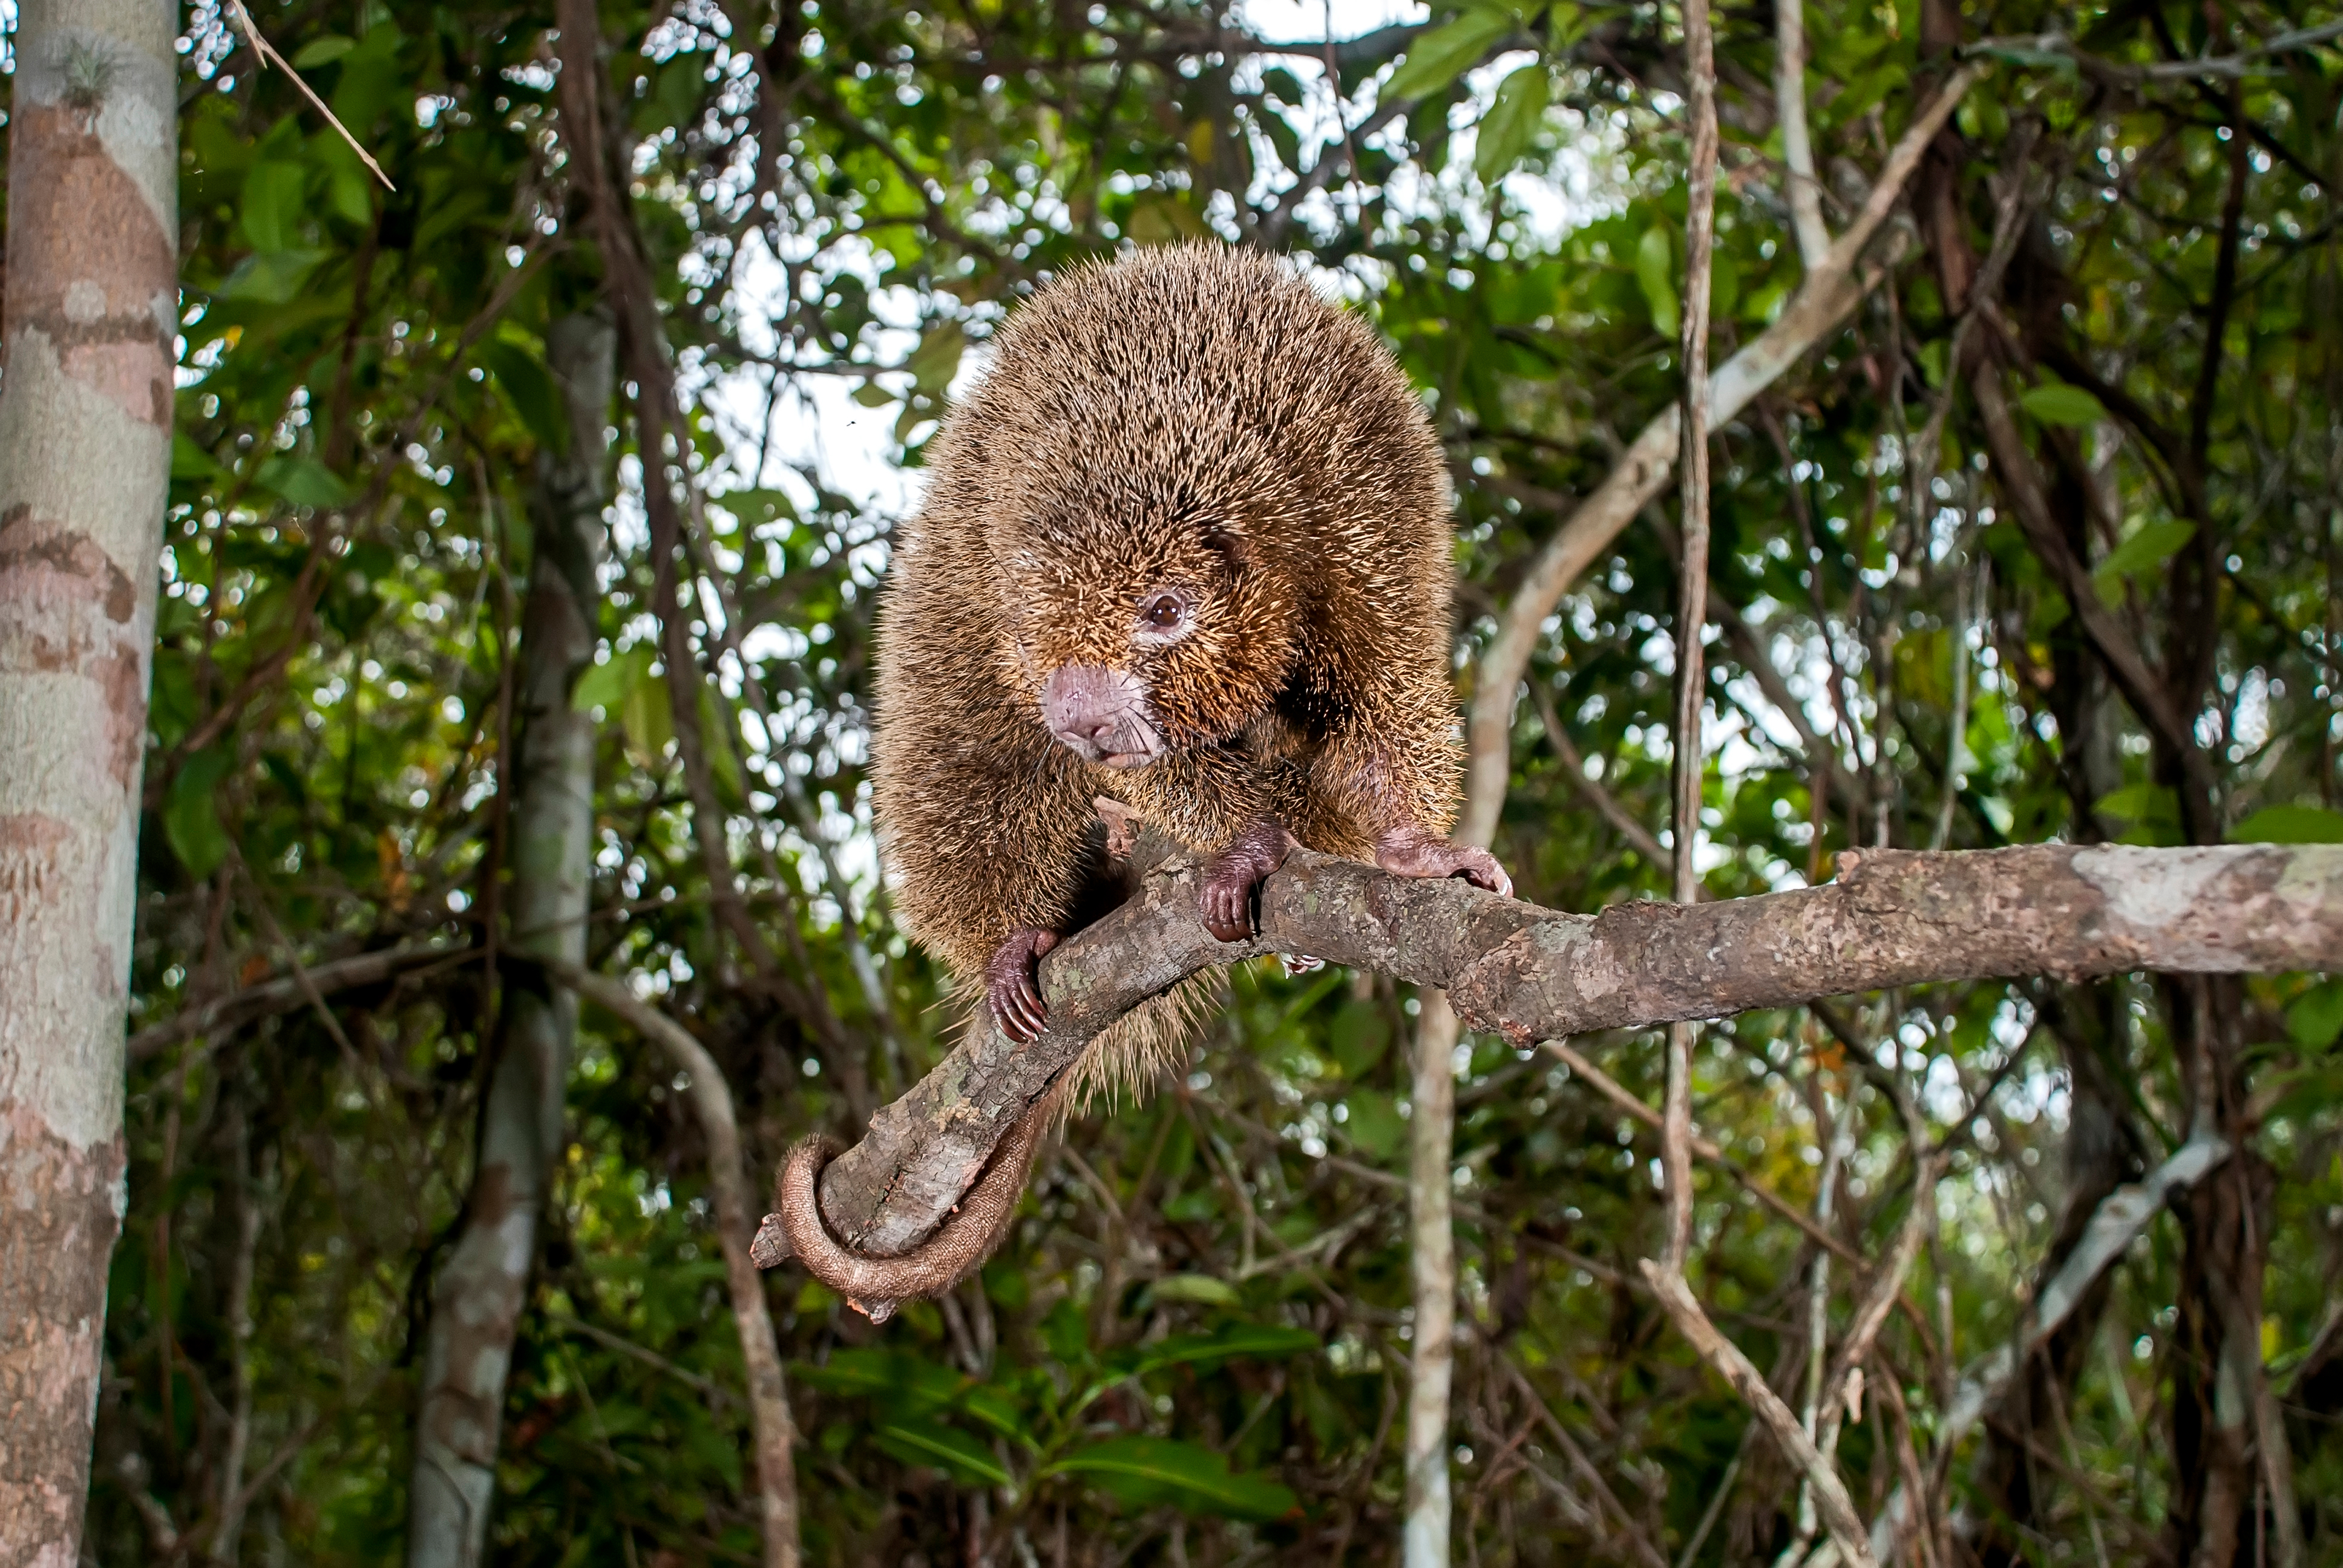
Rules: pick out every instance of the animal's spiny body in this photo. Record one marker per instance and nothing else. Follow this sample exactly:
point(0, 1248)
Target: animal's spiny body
point(1185, 546)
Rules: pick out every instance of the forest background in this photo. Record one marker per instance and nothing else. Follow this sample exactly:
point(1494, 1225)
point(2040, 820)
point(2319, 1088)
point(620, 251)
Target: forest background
point(2041, 538)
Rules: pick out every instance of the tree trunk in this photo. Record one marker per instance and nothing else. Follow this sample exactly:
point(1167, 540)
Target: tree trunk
point(477, 1304)
point(85, 405)
point(1432, 1253)
point(2220, 1392)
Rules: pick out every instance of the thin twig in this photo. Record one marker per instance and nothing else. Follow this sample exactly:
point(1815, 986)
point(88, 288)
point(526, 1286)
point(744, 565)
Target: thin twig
point(1689, 768)
point(1618, 1094)
point(1830, 1499)
point(267, 52)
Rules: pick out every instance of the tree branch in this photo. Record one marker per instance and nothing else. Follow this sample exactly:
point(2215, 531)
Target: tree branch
point(1892, 918)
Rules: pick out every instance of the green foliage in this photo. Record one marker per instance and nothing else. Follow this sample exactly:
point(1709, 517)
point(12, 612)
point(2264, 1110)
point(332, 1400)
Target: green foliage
point(1145, 1470)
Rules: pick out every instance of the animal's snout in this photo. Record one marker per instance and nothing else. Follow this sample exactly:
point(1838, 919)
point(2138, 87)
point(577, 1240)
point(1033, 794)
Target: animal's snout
point(1102, 714)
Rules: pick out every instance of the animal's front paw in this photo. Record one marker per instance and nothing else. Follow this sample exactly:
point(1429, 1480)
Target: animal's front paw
point(1225, 900)
point(1412, 852)
point(1012, 987)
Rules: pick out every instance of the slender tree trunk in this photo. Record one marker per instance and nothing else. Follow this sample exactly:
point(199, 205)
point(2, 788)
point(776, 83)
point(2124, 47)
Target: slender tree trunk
point(1432, 1253)
point(477, 1304)
point(86, 403)
point(2228, 1445)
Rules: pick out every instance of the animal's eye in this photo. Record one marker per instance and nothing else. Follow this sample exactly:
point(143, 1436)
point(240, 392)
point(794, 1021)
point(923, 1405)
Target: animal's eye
point(1163, 610)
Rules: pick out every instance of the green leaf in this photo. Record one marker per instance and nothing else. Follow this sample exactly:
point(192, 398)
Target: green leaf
point(2152, 810)
point(719, 728)
point(872, 395)
point(2316, 1019)
point(1249, 1341)
point(1358, 1036)
point(1656, 275)
point(2059, 404)
point(304, 481)
point(530, 390)
point(1374, 1124)
point(2149, 547)
point(605, 685)
point(1160, 219)
point(191, 814)
point(1159, 1470)
point(998, 1411)
point(1723, 285)
point(895, 1376)
point(1067, 1331)
point(943, 1448)
point(323, 50)
point(649, 720)
point(756, 509)
point(271, 277)
point(272, 206)
point(1932, 360)
point(1203, 1288)
point(1446, 52)
point(2289, 825)
point(1512, 122)
point(189, 461)
point(937, 359)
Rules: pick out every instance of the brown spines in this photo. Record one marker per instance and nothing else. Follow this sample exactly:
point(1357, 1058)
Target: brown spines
point(1192, 415)
point(1197, 420)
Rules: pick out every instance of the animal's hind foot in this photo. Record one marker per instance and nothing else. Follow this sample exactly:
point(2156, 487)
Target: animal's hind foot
point(1414, 852)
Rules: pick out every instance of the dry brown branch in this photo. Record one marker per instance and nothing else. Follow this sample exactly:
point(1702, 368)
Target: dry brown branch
point(1838, 1509)
point(268, 55)
point(2029, 47)
point(1574, 766)
point(1688, 768)
point(283, 993)
point(1644, 1549)
point(2114, 1226)
point(1893, 919)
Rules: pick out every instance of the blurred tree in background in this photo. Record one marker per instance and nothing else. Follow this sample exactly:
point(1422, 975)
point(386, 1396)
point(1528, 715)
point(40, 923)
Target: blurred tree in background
point(2044, 542)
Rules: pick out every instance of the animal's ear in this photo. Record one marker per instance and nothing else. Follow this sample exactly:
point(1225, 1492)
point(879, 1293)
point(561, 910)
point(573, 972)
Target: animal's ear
point(1228, 541)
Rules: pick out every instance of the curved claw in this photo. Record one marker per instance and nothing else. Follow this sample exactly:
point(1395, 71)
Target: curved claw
point(1225, 900)
point(1013, 984)
point(1412, 852)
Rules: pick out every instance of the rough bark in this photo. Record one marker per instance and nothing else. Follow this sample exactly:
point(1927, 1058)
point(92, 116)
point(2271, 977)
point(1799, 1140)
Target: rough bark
point(85, 405)
point(1894, 919)
point(477, 1301)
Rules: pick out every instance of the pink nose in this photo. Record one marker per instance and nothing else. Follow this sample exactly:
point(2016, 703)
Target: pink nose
point(1098, 712)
